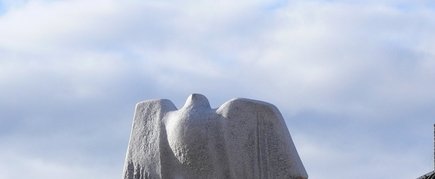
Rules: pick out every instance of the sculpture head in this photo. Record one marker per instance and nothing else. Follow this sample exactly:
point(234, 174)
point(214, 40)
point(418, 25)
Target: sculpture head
point(196, 101)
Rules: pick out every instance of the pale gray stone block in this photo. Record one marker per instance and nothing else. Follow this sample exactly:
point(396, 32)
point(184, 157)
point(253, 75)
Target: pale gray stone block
point(243, 138)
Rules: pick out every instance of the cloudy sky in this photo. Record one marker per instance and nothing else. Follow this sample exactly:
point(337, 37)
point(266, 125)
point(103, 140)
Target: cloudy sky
point(355, 80)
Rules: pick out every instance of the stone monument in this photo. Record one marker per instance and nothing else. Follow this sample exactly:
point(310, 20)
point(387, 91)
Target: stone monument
point(241, 139)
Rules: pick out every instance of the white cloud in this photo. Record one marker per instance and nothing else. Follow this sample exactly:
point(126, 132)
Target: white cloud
point(16, 165)
point(41, 26)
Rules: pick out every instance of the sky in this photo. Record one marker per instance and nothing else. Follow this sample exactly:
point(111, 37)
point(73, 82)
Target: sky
point(354, 80)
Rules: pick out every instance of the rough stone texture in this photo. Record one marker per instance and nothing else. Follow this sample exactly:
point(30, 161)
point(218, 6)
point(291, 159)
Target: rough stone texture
point(243, 138)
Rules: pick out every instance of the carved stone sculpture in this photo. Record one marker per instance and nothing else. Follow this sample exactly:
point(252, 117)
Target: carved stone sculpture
point(243, 138)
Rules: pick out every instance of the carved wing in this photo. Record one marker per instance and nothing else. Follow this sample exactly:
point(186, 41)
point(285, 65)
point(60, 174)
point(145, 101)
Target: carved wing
point(258, 142)
point(147, 141)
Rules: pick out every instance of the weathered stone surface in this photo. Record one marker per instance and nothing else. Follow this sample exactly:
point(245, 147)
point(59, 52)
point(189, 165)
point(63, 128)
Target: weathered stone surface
point(243, 138)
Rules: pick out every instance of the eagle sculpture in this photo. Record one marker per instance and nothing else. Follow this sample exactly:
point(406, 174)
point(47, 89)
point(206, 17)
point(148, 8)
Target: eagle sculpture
point(243, 138)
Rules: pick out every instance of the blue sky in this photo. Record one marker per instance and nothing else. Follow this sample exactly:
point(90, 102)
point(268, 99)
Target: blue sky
point(354, 80)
